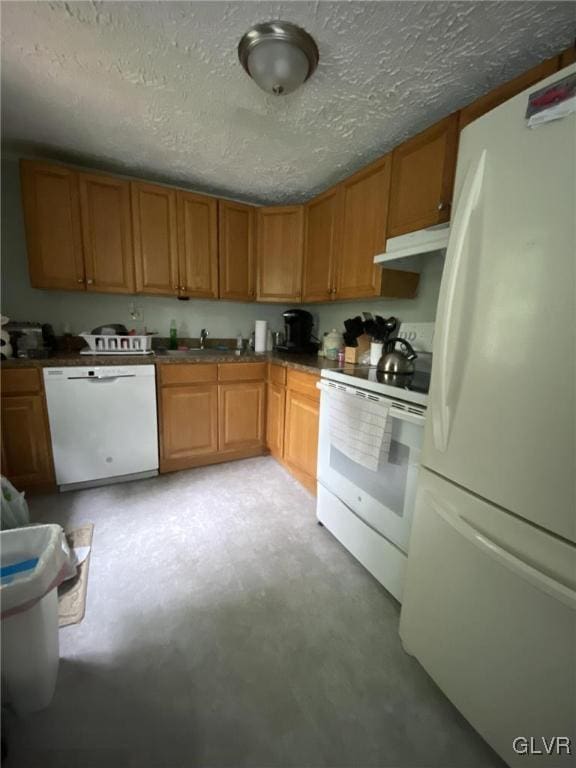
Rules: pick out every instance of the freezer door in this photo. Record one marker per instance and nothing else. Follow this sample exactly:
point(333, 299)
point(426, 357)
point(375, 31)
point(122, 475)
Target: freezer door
point(490, 612)
point(501, 417)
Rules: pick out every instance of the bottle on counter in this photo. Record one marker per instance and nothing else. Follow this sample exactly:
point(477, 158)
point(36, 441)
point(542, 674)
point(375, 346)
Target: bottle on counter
point(173, 344)
point(333, 343)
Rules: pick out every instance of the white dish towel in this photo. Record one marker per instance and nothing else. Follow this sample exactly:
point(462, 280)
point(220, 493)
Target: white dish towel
point(360, 428)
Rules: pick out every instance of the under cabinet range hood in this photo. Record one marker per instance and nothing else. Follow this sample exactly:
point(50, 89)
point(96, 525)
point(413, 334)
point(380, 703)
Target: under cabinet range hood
point(423, 241)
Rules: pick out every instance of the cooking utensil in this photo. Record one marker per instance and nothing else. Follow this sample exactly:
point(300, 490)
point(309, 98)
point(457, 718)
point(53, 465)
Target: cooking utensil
point(354, 326)
point(396, 361)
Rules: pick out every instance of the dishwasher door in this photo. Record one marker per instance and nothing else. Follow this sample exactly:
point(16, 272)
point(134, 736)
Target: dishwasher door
point(102, 421)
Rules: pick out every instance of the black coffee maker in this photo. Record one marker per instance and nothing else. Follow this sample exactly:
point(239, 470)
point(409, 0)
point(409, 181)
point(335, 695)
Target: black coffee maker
point(298, 331)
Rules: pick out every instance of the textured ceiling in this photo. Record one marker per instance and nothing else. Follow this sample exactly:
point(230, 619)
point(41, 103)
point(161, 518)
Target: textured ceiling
point(155, 89)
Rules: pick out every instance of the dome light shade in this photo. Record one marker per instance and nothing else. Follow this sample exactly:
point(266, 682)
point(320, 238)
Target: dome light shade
point(278, 56)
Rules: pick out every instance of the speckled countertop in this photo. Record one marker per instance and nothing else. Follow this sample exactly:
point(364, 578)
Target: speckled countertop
point(307, 363)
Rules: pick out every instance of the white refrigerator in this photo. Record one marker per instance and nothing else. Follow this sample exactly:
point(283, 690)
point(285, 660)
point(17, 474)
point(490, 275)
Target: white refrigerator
point(490, 594)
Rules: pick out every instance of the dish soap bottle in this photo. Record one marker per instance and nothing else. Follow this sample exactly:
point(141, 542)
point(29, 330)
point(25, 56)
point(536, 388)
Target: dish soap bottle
point(173, 335)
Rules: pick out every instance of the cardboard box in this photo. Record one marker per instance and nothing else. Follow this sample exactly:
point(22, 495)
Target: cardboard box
point(353, 354)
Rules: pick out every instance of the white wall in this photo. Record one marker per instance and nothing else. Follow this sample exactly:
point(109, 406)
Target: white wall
point(84, 311)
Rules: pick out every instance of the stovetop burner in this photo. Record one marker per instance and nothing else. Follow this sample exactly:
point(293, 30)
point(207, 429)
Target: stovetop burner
point(411, 388)
point(419, 381)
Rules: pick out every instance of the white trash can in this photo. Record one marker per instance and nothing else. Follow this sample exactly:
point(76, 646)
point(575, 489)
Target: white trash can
point(33, 563)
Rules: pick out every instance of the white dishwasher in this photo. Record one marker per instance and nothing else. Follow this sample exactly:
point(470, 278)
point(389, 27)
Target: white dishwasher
point(103, 423)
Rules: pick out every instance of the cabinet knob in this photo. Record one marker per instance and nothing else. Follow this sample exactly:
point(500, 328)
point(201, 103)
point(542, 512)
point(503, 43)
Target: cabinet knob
point(442, 206)
point(80, 280)
point(182, 287)
point(90, 281)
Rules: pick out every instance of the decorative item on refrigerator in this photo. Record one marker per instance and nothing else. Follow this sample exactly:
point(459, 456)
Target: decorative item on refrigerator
point(260, 335)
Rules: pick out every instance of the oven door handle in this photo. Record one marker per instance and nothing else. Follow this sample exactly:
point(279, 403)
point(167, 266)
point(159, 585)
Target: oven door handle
point(396, 410)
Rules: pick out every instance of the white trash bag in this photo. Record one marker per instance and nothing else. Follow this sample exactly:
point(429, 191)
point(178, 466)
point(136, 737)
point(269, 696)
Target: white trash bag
point(33, 564)
point(13, 507)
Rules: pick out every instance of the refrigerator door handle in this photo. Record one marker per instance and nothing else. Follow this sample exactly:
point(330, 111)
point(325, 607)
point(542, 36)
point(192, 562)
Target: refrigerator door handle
point(455, 259)
point(542, 581)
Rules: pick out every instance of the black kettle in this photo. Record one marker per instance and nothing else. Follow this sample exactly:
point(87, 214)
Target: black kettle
point(397, 362)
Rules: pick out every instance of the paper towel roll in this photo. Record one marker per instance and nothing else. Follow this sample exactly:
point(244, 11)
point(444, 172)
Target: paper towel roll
point(260, 333)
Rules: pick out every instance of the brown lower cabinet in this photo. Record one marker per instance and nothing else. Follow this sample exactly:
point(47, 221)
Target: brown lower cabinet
point(209, 413)
point(275, 419)
point(26, 449)
point(189, 415)
point(241, 416)
point(292, 422)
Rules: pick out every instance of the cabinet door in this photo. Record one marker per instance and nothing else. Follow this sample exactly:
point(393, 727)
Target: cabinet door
point(107, 233)
point(155, 238)
point(236, 225)
point(280, 237)
point(188, 423)
point(26, 449)
point(241, 416)
point(363, 228)
point(320, 246)
point(52, 214)
point(198, 245)
point(423, 178)
point(301, 437)
point(276, 404)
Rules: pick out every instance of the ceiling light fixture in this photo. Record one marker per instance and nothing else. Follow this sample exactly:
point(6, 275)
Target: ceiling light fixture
point(278, 56)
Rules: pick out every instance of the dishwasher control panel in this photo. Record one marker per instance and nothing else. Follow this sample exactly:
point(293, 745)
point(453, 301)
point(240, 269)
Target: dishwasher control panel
point(97, 372)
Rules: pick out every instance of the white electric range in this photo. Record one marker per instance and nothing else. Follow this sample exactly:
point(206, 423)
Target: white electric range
point(371, 432)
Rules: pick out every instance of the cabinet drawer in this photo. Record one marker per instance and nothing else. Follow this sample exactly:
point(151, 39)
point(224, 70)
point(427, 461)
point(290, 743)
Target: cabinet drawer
point(277, 374)
point(187, 373)
point(305, 383)
point(16, 381)
point(241, 371)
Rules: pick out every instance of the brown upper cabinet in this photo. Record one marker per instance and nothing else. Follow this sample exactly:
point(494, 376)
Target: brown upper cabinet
point(423, 178)
point(363, 227)
point(362, 222)
point(52, 215)
point(236, 229)
point(502, 93)
point(321, 246)
point(95, 232)
point(280, 235)
point(106, 233)
point(155, 238)
point(198, 245)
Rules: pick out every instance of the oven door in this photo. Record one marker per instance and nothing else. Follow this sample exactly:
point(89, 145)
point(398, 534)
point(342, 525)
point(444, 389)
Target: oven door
point(384, 498)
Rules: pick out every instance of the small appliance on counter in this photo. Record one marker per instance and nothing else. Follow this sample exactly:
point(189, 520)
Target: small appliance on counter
point(298, 332)
point(31, 340)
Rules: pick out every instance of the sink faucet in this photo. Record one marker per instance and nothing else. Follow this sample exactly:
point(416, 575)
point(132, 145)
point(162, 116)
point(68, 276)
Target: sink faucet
point(203, 337)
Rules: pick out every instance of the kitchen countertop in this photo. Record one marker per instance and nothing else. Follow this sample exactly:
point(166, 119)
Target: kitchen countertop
point(308, 363)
